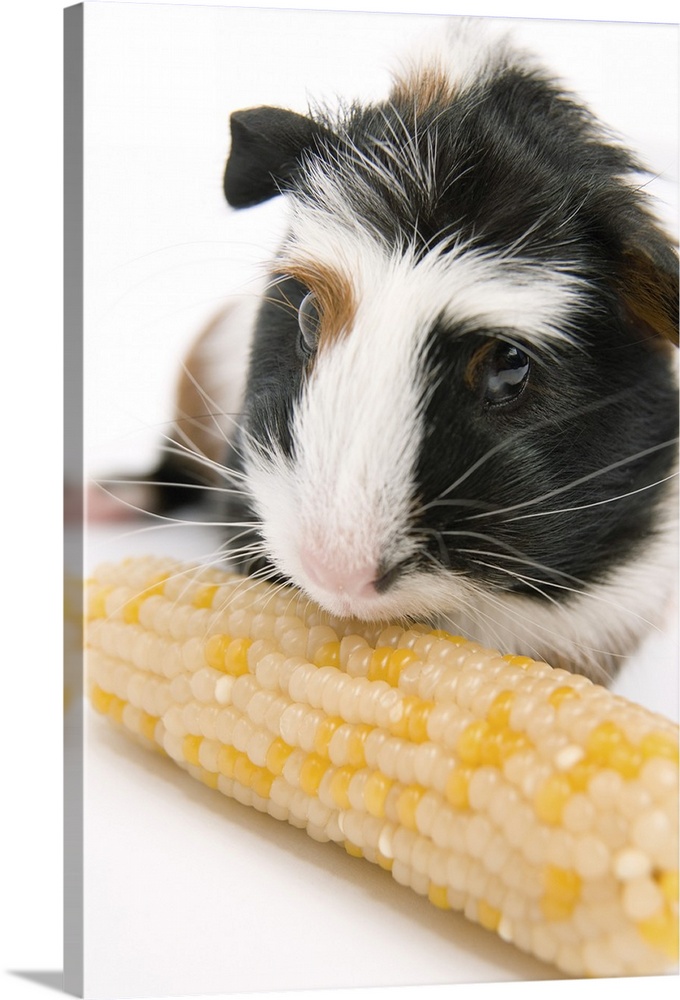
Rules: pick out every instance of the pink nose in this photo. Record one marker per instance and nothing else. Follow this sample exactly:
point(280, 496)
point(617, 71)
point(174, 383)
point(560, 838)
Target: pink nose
point(355, 582)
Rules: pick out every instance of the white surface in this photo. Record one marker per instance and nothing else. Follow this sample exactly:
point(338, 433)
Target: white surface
point(186, 892)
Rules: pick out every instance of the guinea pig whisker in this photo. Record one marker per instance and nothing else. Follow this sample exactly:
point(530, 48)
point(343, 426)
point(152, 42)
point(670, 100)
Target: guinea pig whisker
point(595, 503)
point(579, 481)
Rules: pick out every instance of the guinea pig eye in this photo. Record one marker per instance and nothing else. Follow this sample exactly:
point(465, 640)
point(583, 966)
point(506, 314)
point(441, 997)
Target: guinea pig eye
point(309, 321)
point(507, 373)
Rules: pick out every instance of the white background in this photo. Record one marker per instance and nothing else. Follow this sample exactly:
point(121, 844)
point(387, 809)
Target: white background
point(31, 875)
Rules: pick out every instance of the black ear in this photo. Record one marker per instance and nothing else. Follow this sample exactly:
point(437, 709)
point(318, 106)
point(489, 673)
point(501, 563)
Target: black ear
point(266, 145)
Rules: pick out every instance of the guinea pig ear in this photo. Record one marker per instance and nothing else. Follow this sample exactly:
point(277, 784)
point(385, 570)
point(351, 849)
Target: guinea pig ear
point(266, 145)
point(649, 291)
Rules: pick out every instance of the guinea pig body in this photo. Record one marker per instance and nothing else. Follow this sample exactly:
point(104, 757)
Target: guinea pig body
point(461, 401)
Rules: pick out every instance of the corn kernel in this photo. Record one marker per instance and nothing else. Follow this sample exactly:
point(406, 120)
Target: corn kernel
point(486, 783)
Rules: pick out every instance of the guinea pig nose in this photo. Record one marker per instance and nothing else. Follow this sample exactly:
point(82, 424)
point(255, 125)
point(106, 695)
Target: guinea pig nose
point(351, 582)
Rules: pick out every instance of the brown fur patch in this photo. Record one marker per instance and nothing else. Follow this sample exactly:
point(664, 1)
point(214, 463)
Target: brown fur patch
point(423, 89)
point(476, 363)
point(651, 297)
point(334, 295)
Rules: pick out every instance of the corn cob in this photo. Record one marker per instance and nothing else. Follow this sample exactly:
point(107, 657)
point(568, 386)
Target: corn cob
point(541, 805)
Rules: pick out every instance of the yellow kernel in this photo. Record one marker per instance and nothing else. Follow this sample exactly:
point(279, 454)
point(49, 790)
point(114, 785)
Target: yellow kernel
point(277, 755)
point(244, 770)
point(311, 773)
point(661, 932)
point(327, 655)
point(488, 916)
point(116, 708)
point(215, 649)
point(457, 788)
point(208, 778)
point(659, 745)
point(226, 760)
point(399, 659)
point(378, 667)
point(498, 715)
point(560, 694)
point(407, 804)
point(441, 633)
point(520, 662)
point(131, 607)
point(439, 895)
point(551, 798)
point(262, 782)
point(236, 657)
point(352, 849)
point(190, 748)
point(580, 774)
point(562, 891)
point(470, 742)
point(384, 862)
point(324, 733)
point(203, 598)
point(375, 793)
point(602, 741)
point(355, 745)
point(509, 742)
point(339, 786)
point(668, 883)
point(148, 725)
point(97, 602)
point(626, 759)
point(101, 700)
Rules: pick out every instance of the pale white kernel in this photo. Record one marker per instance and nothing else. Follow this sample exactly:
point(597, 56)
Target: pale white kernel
point(294, 642)
point(631, 863)
point(401, 873)
point(543, 942)
point(458, 872)
point(223, 689)
point(591, 857)
point(604, 788)
point(560, 848)
point(224, 725)
point(535, 846)
point(355, 790)
point(612, 828)
point(426, 757)
point(373, 744)
point(174, 746)
point(651, 832)
point(243, 690)
point(403, 843)
point(358, 660)
point(208, 752)
point(190, 715)
point(272, 718)
point(448, 828)
point(496, 853)
point(579, 813)
point(267, 670)
point(207, 719)
point(406, 762)
point(660, 777)
point(174, 722)
point(478, 834)
point(386, 838)
point(338, 748)
point(641, 899)
point(309, 724)
point(203, 684)
point(350, 699)
point(567, 756)
point(483, 785)
point(193, 653)
point(243, 731)
point(426, 812)
point(258, 745)
point(298, 682)
point(289, 723)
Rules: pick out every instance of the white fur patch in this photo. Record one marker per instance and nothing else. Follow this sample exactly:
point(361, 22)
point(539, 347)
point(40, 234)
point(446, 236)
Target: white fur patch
point(464, 54)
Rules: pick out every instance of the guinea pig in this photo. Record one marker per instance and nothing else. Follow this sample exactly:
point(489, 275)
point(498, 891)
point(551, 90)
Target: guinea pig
point(461, 403)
